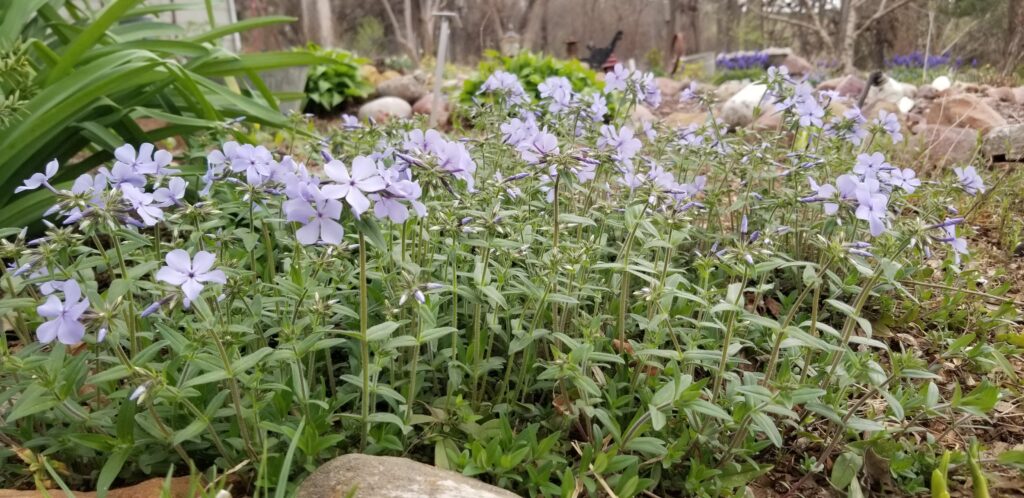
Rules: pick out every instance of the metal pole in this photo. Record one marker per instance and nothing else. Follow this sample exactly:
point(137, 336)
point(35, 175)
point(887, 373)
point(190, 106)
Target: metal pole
point(442, 49)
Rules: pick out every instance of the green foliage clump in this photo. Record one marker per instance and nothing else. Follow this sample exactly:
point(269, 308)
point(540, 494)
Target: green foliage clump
point(531, 69)
point(96, 72)
point(331, 85)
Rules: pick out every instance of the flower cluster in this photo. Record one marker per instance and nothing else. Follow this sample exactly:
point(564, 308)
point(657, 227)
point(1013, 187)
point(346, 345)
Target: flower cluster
point(641, 87)
point(742, 60)
point(506, 84)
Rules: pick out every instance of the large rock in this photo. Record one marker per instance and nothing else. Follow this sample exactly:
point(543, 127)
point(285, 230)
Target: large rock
point(727, 89)
point(797, 66)
point(944, 145)
point(408, 88)
point(739, 109)
point(426, 106)
point(890, 91)
point(1006, 141)
point(385, 108)
point(847, 86)
point(1018, 94)
point(964, 110)
point(365, 476)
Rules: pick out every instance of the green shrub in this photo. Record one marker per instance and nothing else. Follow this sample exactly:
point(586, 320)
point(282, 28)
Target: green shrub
point(328, 86)
point(531, 69)
point(97, 74)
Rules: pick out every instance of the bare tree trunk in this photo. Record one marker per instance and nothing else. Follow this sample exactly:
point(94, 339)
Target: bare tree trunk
point(317, 22)
point(1014, 34)
point(526, 23)
point(847, 35)
point(410, 34)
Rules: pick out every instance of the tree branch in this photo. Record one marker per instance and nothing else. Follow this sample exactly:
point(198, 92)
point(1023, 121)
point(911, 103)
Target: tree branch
point(818, 30)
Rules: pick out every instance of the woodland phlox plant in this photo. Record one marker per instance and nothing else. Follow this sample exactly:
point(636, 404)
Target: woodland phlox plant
point(556, 300)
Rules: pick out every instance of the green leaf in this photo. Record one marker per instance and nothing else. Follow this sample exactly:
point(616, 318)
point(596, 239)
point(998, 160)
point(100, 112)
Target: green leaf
point(206, 378)
point(286, 466)
point(190, 431)
point(381, 331)
point(33, 400)
point(657, 417)
point(111, 468)
point(240, 26)
point(95, 30)
point(845, 469)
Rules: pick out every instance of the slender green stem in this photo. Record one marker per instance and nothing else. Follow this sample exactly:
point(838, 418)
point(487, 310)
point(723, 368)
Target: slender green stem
point(364, 344)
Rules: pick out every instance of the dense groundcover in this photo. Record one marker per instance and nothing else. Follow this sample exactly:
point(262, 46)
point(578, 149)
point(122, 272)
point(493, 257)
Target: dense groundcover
point(556, 303)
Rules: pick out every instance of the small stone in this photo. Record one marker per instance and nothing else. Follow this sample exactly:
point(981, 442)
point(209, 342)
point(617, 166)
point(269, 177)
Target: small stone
point(1006, 141)
point(1002, 94)
point(366, 476)
point(669, 87)
point(683, 119)
point(385, 108)
point(727, 89)
point(847, 86)
point(425, 106)
point(408, 88)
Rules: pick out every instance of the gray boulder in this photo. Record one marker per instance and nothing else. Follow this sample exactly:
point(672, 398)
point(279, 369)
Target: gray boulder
point(408, 88)
point(367, 476)
point(1006, 141)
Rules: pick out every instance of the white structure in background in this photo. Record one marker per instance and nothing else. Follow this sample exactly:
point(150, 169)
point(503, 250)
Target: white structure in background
point(193, 17)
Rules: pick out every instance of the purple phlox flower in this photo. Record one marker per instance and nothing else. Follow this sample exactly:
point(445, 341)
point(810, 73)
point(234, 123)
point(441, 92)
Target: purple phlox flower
point(172, 194)
point(121, 174)
point(689, 93)
point(743, 224)
point(905, 179)
point(139, 394)
point(778, 73)
point(350, 122)
point(616, 79)
point(505, 83)
point(826, 193)
point(661, 178)
point(40, 179)
point(453, 157)
point(539, 147)
point(190, 273)
point(598, 107)
point(319, 220)
point(688, 137)
point(970, 180)
point(647, 88)
point(958, 244)
point(630, 178)
point(649, 131)
point(142, 203)
point(559, 90)
point(300, 184)
point(64, 322)
point(808, 109)
point(621, 140)
point(871, 166)
point(516, 132)
point(872, 206)
point(891, 124)
point(140, 161)
point(365, 178)
point(416, 141)
point(849, 127)
point(90, 186)
point(254, 161)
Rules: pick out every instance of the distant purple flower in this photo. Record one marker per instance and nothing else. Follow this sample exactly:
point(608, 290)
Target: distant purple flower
point(506, 84)
point(647, 89)
point(143, 204)
point(970, 180)
point(808, 109)
point(598, 107)
point(350, 122)
point(850, 127)
point(616, 79)
point(94, 187)
point(958, 244)
point(190, 273)
point(40, 179)
point(365, 179)
point(891, 124)
point(689, 93)
point(518, 131)
point(64, 322)
point(559, 90)
point(454, 158)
